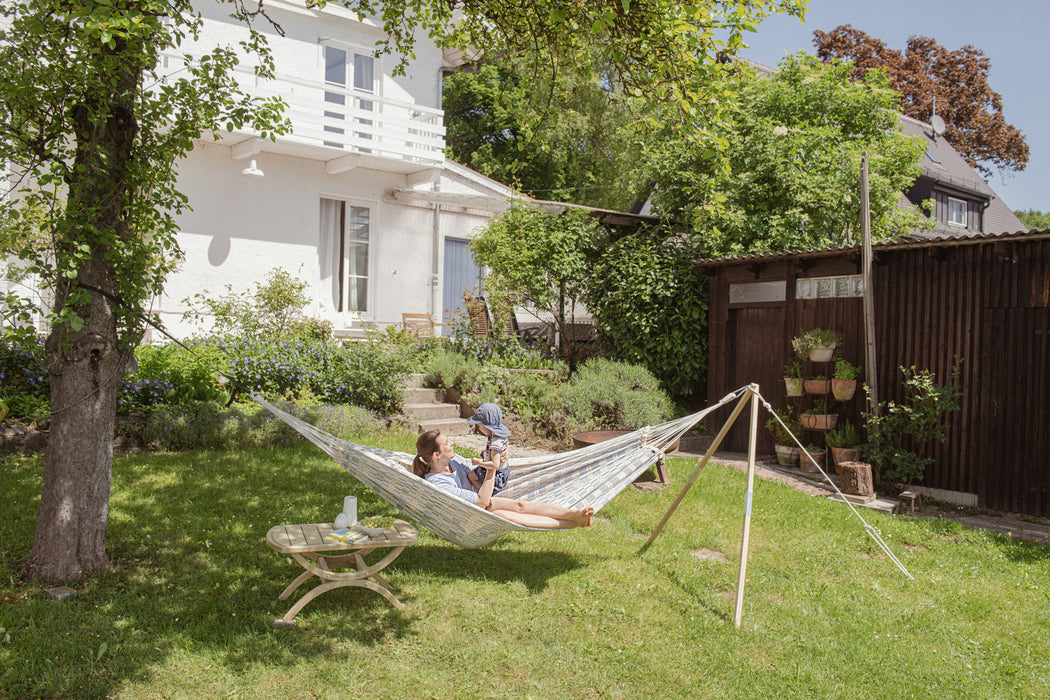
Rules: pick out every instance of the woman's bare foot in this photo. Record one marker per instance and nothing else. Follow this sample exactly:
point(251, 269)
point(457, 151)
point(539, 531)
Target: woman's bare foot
point(583, 516)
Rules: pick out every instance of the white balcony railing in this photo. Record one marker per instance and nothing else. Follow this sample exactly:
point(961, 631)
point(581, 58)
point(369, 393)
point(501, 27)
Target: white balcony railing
point(335, 117)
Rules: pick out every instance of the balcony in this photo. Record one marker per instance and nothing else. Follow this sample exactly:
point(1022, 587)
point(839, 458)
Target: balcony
point(343, 127)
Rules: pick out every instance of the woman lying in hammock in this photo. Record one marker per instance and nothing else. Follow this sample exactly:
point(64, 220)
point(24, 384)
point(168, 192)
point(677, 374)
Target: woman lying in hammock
point(436, 462)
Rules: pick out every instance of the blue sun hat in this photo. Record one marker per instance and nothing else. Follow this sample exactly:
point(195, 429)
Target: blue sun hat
point(490, 416)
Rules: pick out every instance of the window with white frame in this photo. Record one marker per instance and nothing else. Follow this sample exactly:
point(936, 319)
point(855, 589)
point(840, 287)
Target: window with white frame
point(956, 211)
point(348, 72)
point(346, 239)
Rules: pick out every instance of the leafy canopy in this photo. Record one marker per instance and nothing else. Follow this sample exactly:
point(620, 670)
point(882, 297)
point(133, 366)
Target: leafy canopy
point(957, 80)
point(788, 174)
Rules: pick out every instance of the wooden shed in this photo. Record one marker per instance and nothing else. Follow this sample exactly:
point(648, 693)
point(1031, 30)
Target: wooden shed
point(984, 299)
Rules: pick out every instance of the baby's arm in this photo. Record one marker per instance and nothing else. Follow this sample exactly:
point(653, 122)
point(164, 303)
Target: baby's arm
point(495, 459)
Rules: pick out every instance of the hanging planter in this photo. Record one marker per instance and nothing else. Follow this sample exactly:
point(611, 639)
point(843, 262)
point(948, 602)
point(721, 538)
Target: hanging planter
point(843, 389)
point(793, 386)
point(818, 344)
point(818, 385)
point(819, 421)
point(821, 353)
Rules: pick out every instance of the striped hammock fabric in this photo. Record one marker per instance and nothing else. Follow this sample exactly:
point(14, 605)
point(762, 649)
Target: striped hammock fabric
point(590, 476)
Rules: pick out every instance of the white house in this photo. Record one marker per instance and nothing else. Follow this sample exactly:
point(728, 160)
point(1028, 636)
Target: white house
point(358, 200)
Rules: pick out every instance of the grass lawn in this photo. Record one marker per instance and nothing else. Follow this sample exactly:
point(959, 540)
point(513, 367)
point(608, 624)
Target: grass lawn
point(186, 609)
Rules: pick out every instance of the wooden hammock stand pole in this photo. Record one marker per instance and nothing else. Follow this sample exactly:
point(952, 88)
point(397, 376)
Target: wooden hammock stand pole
point(750, 395)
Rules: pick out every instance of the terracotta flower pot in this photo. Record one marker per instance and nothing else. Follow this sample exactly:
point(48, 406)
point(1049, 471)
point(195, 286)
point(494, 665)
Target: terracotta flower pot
point(793, 385)
point(843, 389)
point(812, 462)
point(819, 421)
point(787, 456)
point(817, 386)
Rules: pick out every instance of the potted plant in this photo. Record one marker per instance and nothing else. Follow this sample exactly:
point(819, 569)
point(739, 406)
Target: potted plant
point(818, 417)
point(844, 381)
point(787, 453)
point(817, 385)
point(793, 379)
point(817, 344)
point(811, 459)
point(843, 442)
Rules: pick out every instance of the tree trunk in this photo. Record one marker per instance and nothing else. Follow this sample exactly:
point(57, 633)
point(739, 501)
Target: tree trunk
point(86, 366)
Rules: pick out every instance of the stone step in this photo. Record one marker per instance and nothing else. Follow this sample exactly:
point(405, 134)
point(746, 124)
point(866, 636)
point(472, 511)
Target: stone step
point(414, 395)
point(431, 411)
point(415, 381)
point(449, 426)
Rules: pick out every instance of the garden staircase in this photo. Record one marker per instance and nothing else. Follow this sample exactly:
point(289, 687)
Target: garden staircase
point(426, 410)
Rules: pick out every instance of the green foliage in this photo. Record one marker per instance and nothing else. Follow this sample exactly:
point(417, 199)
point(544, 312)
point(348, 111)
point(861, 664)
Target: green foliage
point(793, 370)
point(844, 434)
point(815, 338)
point(786, 174)
point(649, 301)
point(845, 371)
point(614, 395)
point(273, 309)
point(819, 407)
point(786, 430)
point(174, 375)
point(25, 389)
point(1034, 219)
point(539, 260)
point(899, 432)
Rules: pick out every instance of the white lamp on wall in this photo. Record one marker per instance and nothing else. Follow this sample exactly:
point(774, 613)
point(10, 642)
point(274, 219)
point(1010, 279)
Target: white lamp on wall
point(252, 170)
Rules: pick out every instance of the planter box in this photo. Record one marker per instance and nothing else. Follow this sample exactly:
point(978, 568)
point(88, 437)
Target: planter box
point(793, 386)
point(819, 421)
point(821, 353)
point(843, 389)
point(817, 386)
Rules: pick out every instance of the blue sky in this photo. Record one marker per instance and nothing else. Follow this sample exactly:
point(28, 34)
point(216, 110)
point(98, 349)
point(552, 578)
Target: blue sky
point(1011, 33)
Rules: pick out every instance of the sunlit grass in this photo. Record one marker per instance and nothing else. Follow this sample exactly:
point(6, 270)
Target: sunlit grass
point(186, 609)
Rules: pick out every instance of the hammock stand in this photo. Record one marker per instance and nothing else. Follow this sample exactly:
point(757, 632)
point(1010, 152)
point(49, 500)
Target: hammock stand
point(590, 476)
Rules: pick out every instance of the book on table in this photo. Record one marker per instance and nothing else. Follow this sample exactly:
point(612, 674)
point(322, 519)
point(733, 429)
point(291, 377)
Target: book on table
point(345, 534)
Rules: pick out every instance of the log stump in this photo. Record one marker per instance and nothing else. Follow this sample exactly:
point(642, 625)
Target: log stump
point(856, 479)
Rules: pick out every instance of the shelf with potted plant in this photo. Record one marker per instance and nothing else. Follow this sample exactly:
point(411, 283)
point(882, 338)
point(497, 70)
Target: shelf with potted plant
point(819, 417)
point(844, 380)
point(793, 379)
point(816, 345)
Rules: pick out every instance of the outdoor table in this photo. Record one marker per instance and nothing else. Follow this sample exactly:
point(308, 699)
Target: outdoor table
point(321, 555)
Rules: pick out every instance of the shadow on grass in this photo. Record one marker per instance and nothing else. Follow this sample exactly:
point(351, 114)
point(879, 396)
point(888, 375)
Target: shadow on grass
point(190, 570)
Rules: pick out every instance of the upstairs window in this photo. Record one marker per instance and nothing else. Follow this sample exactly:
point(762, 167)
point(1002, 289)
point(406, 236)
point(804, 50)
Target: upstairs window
point(956, 212)
point(350, 72)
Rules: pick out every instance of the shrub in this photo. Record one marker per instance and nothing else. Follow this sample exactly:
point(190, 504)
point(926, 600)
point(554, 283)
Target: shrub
point(24, 384)
point(171, 374)
point(614, 395)
point(195, 425)
point(780, 433)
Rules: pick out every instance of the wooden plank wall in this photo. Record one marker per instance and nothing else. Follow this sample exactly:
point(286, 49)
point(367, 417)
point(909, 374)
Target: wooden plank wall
point(987, 303)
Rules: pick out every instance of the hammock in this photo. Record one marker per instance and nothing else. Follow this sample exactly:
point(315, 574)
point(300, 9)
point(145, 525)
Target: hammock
point(590, 476)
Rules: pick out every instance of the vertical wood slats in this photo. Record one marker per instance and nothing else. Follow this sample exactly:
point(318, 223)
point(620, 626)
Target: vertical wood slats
point(987, 303)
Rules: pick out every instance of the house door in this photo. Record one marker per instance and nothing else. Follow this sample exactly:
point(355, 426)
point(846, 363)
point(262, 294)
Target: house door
point(747, 329)
point(1013, 462)
point(461, 274)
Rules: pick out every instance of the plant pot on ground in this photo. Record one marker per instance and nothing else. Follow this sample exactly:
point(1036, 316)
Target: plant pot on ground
point(785, 432)
point(812, 461)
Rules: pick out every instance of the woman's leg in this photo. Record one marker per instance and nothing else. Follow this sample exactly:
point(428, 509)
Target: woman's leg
point(538, 521)
point(577, 518)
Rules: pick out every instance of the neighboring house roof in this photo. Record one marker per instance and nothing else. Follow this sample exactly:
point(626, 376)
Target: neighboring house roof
point(950, 172)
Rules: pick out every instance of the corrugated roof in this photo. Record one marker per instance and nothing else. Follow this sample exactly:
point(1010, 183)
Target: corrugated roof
point(910, 243)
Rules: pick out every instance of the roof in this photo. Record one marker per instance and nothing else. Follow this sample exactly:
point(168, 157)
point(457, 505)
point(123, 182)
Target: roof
point(944, 165)
point(908, 244)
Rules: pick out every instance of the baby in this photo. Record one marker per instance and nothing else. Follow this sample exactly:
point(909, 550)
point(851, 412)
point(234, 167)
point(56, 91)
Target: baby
point(489, 419)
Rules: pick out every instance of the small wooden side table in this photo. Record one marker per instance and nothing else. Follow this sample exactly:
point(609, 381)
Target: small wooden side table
point(320, 554)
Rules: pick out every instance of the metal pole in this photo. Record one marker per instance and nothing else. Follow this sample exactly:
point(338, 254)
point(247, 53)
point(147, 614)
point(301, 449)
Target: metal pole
point(751, 448)
point(870, 374)
point(699, 467)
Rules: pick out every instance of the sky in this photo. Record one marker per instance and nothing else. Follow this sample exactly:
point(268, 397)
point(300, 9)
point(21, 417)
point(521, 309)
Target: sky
point(1011, 33)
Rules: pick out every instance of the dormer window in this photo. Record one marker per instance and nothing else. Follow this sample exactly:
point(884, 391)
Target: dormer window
point(956, 212)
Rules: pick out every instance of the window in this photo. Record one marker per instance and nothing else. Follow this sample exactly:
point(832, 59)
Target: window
point(956, 212)
point(350, 72)
point(346, 237)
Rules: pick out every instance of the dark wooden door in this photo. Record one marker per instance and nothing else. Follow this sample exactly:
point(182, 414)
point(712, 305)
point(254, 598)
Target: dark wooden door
point(755, 337)
point(1013, 470)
